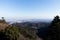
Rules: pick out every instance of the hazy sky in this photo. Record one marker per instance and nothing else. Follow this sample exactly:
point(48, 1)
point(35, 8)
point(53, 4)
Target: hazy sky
point(45, 9)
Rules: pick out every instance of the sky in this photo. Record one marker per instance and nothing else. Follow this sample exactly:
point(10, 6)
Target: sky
point(29, 9)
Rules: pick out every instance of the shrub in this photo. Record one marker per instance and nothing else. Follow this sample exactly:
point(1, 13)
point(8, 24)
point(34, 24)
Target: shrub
point(10, 33)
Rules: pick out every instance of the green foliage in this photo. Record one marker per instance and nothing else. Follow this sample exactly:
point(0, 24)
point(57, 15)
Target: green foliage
point(10, 33)
point(2, 20)
point(54, 29)
point(27, 33)
point(56, 19)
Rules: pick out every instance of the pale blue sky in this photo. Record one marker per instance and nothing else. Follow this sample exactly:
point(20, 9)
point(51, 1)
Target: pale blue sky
point(45, 9)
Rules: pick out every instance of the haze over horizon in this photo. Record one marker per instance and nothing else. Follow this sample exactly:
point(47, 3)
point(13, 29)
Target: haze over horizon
point(29, 9)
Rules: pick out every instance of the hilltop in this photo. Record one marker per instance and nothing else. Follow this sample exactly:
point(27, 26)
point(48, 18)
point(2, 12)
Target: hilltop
point(25, 33)
point(3, 24)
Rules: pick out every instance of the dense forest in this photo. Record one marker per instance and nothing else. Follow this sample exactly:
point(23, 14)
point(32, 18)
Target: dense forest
point(30, 31)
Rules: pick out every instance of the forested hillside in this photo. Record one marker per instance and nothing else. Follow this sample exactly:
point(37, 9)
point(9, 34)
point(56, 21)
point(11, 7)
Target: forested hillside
point(52, 32)
point(15, 32)
point(30, 31)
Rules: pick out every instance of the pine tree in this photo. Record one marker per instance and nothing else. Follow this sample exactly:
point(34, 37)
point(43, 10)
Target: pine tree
point(54, 29)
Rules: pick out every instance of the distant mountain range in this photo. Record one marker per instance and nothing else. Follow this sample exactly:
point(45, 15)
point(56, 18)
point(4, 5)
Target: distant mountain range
point(30, 27)
point(28, 20)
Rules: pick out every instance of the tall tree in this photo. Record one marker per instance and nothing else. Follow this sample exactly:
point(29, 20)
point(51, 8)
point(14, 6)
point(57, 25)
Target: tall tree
point(3, 20)
point(54, 29)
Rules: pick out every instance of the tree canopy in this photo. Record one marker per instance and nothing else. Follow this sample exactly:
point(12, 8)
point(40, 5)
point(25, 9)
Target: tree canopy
point(10, 33)
point(54, 29)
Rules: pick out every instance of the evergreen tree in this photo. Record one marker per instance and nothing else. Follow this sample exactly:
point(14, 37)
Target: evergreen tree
point(54, 29)
point(55, 20)
point(3, 20)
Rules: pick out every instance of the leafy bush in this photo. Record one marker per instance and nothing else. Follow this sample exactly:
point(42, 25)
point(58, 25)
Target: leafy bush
point(10, 33)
